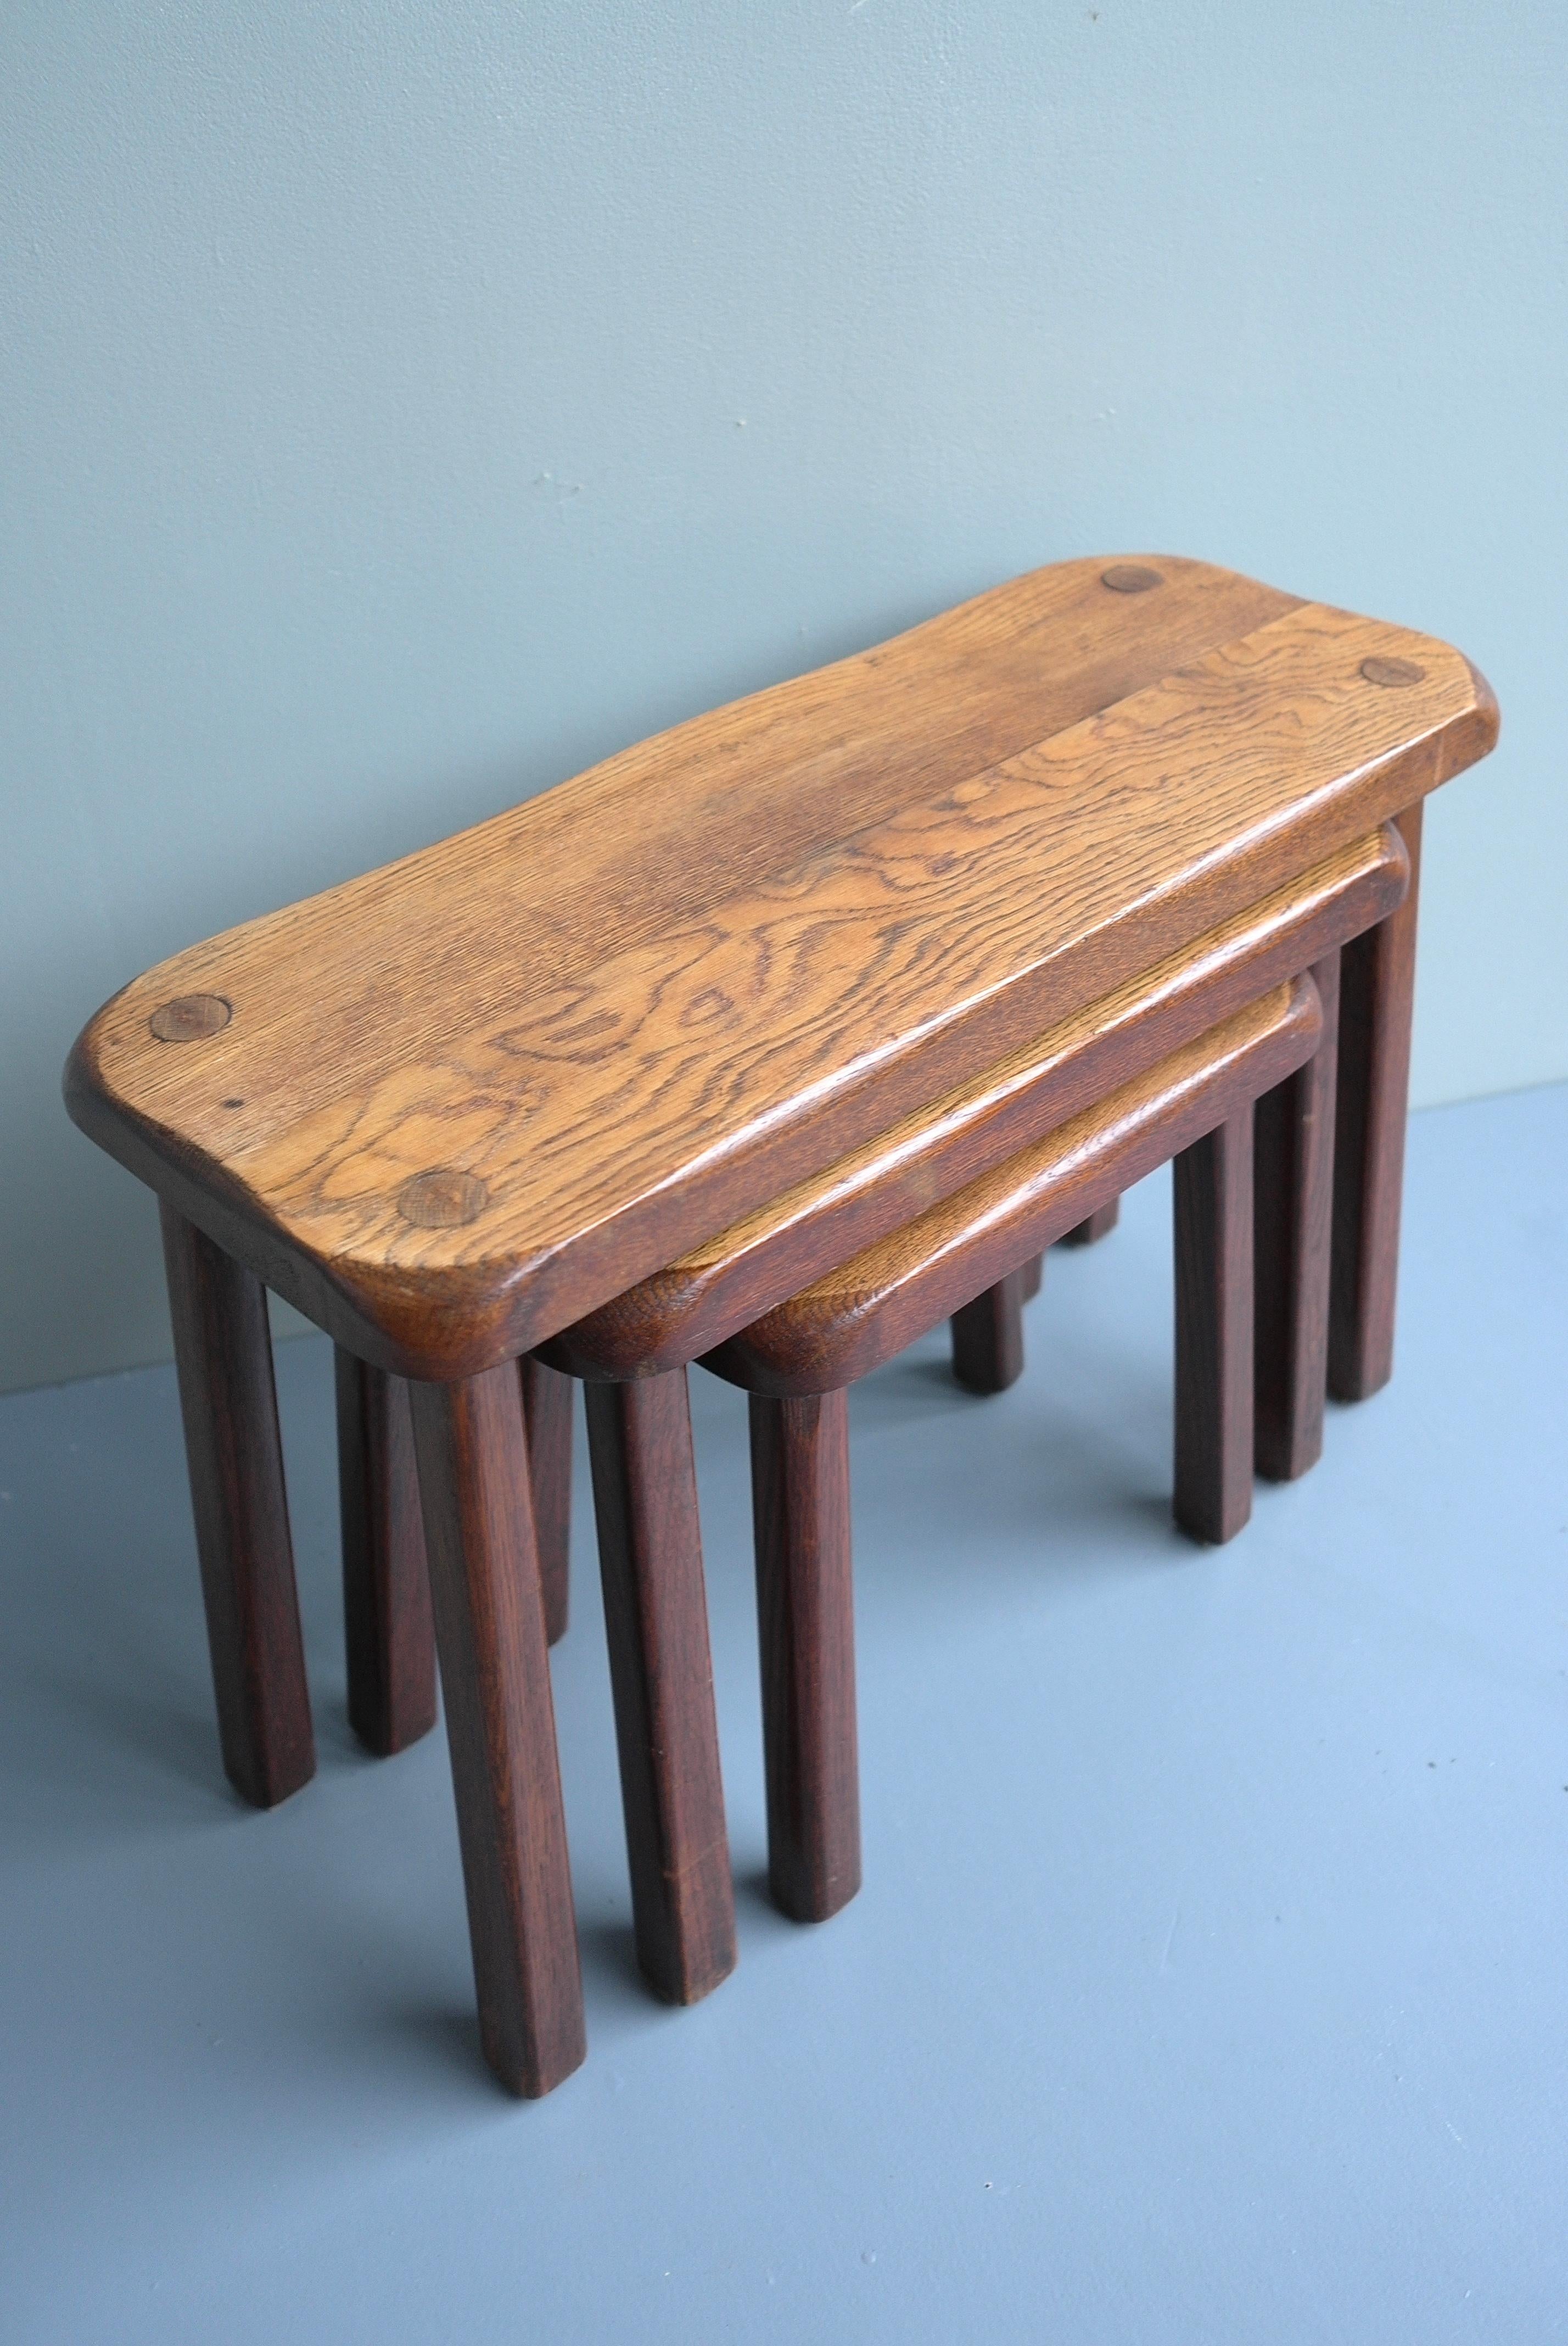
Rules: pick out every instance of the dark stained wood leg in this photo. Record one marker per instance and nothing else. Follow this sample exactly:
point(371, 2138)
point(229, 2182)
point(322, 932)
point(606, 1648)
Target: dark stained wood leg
point(547, 1413)
point(1095, 1226)
point(1214, 1332)
point(656, 1618)
point(501, 1725)
point(223, 1350)
point(1034, 1277)
point(1293, 1187)
point(805, 1607)
point(389, 1632)
point(1377, 996)
point(988, 1338)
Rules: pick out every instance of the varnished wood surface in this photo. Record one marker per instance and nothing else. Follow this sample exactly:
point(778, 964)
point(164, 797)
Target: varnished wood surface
point(806, 1627)
point(1377, 1002)
point(223, 1353)
point(1034, 1277)
point(667, 1731)
point(1293, 1190)
point(860, 1314)
point(449, 1107)
point(719, 1287)
point(500, 1726)
point(1212, 1197)
point(388, 1629)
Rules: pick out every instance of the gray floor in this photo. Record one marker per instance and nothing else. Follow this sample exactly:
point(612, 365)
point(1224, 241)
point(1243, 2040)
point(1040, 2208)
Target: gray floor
point(1210, 1980)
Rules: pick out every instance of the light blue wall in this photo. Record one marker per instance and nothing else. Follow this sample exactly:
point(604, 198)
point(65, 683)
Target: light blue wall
point(405, 405)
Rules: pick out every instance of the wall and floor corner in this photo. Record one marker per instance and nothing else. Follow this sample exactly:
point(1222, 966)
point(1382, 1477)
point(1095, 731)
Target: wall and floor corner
point(402, 411)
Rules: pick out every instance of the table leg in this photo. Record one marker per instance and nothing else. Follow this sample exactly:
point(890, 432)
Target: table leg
point(1377, 996)
point(501, 1725)
point(547, 1414)
point(389, 1633)
point(1213, 1184)
point(988, 1338)
point(1094, 1227)
point(1034, 1277)
point(223, 1353)
point(655, 1620)
point(805, 1605)
point(1293, 1162)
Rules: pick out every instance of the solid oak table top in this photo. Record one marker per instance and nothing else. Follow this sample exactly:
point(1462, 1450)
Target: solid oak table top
point(453, 1106)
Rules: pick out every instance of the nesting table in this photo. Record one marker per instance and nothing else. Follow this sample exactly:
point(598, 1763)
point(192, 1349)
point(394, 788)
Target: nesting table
point(458, 1108)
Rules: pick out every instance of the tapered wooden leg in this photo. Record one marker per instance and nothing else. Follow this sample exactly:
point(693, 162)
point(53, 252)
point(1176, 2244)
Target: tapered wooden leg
point(1293, 1185)
point(988, 1338)
point(656, 1618)
point(1095, 1226)
point(389, 1633)
point(1377, 996)
point(547, 1412)
point(1214, 1332)
point(223, 1351)
point(501, 1725)
point(1034, 1277)
point(805, 1607)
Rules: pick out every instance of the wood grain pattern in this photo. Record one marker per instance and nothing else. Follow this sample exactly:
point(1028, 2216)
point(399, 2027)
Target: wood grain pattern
point(720, 1286)
point(588, 1045)
point(1094, 1227)
point(858, 1316)
point(547, 1416)
point(1293, 1188)
point(656, 1618)
point(988, 1338)
point(223, 1353)
point(500, 1726)
point(388, 1629)
point(1377, 1000)
point(1214, 1443)
point(805, 1611)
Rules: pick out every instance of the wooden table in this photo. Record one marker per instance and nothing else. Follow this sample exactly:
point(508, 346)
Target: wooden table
point(449, 1109)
